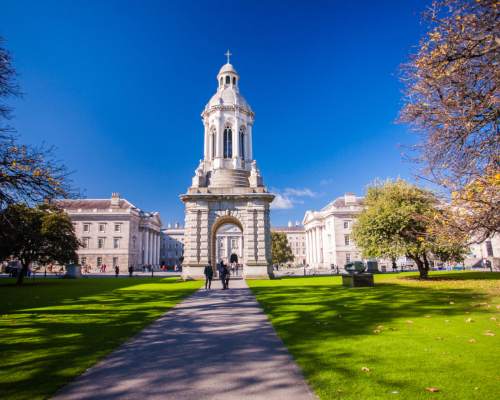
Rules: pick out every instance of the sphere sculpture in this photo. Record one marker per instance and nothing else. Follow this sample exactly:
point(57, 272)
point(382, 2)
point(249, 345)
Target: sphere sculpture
point(356, 267)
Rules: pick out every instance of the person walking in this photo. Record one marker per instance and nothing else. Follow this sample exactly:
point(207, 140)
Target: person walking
point(222, 274)
point(117, 271)
point(130, 271)
point(226, 276)
point(209, 274)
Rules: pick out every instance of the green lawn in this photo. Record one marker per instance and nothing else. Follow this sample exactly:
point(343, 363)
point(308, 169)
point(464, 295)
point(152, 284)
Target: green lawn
point(52, 330)
point(394, 340)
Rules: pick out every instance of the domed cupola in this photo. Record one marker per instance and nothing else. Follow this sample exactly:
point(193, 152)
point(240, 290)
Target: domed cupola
point(228, 120)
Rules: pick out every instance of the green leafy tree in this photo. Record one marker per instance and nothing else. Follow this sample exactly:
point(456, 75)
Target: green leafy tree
point(281, 251)
point(42, 234)
point(398, 221)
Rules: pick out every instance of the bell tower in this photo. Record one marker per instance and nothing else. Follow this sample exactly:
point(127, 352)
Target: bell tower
point(227, 185)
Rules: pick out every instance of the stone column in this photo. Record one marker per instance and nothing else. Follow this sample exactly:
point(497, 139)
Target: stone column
point(219, 136)
point(158, 254)
point(236, 138)
point(307, 247)
point(146, 246)
point(240, 249)
point(153, 248)
point(249, 147)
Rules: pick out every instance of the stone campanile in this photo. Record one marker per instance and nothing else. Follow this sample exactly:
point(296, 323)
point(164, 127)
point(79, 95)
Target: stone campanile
point(227, 187)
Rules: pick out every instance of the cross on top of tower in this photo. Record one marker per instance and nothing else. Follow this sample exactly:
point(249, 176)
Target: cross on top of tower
point(228, 54)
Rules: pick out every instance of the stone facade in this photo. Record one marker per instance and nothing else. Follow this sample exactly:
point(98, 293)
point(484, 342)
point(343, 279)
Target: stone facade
point(328, 233)
point(114, 232)
point(296, 239)
point(227, 187)
point(172, 246)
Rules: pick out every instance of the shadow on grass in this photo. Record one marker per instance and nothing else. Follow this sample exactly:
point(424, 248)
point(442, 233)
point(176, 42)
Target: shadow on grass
point(313, 318)
point(51, 331)
point(459, 276)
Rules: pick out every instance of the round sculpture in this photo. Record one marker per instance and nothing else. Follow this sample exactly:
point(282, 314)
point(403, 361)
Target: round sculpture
point(356, 267)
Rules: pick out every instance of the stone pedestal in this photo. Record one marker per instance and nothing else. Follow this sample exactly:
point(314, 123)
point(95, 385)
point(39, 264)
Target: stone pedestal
point(207, 212)
point(357, 280)
point(73, 271)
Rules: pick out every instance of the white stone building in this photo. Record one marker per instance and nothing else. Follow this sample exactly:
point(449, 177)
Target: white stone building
point(328, 233)
point(486, 250)
point(296, 237)
point(229, 244)
point(114, 232)
point(227, 187)
point(172, 245)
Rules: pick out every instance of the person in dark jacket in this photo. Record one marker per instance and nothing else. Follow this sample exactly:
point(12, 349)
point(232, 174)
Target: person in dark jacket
point(209, 274)
point(227, 275)
point(222, 273)
point(130, 271)
point(117, 270)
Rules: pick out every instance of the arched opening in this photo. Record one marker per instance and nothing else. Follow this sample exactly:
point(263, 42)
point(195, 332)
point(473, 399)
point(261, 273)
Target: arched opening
point(228, 142)
point(228, 79)
point(227, 244)
point(242, 142)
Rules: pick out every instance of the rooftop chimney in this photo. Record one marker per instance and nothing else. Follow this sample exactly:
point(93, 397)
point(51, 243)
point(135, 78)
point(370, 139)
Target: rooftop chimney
point(350, 198)
point(115, 199)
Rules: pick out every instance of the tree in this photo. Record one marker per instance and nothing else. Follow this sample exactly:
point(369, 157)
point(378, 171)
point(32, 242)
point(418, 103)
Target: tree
point(281, 251)
point(41, 234)
point(28, 174)
point(452, 101)
point(398, 221)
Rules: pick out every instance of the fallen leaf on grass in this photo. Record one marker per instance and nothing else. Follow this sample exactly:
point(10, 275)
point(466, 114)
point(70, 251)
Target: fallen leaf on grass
point(489, 333)
point(380, 327)
point(439, 338)
point(432, 389)
point(472, 340)
point(493, 318)
point(469, 320)
point(365, 369)
point(427, 316)
point(376, 331)
point(446, 320)
point(409, 321)
point(452, 302)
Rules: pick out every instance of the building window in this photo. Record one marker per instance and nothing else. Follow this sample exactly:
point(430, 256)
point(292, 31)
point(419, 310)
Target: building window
point(347, 240)
point(86, 227)
point(228, 142)
point(99, 261)
point(234, 244)
point(118, 227)
point(221, 81)
point(242, 142)
point(115, 261)
point(234, 81)
point(116, 243)
point(228, 80)
point(102, 227)
point(85, 242)
point(133, 242)
point(346, 224)
point(347, 258)
point(100, 243)
point(489, 249)
point(83, 261)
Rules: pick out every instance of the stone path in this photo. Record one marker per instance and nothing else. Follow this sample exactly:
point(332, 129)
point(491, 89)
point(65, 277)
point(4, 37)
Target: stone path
point(213, 345)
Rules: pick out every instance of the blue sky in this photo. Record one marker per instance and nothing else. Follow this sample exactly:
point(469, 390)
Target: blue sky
point(118, 88)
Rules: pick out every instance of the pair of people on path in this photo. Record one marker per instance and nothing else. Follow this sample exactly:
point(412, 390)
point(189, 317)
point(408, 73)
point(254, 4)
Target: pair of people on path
point(223, 275)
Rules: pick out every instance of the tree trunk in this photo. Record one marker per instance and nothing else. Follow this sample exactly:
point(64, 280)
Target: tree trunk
point(20, 276)
point(423, 271)
point(426, 267)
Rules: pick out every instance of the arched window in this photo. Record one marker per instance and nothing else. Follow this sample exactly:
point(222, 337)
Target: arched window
point(228, 142)
point(221, 80)
point(242, 142)
point(228, 79)
point(234, 81)
point(212, 142)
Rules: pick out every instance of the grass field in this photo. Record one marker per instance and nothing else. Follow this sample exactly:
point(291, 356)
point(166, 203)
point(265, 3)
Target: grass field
point(394, 340)
point(52, 330)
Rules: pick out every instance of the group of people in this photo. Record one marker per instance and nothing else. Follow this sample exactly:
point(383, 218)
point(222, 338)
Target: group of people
point(223, 271)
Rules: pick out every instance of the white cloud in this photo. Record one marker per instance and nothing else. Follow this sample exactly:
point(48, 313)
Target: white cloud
point(281, 202)
point(306, 192)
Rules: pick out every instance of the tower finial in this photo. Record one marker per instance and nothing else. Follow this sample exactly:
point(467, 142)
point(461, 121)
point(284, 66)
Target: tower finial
point(228, 54)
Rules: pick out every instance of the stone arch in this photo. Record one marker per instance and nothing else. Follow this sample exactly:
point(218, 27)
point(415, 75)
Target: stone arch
point(221, 220)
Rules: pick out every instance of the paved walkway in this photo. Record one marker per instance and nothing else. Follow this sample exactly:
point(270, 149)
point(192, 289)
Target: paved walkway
point(213, 345)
